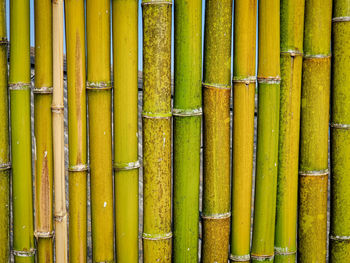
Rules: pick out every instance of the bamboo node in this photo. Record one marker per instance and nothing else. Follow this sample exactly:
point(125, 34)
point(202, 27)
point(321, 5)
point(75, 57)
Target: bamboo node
point(242, 258)
point(269, 80)
point(150, 115)
point(340, 126)
point(57, 108)
point(60, 217)
point(157, 2)
point(19, 86)
point(313, 56)
point(283, 251)
point(127, 166)
point(187, 113)
point(262, 257)
point(156, 237)
point(341, 19)
point(339, 238)
point(78, 168)
point(217, 216)
point(4, 41)
point(247, 80)
point(43, 90)
point(99, 85)
point(5, 166)
point(26, 253)
point(314, 173)
point(216, 86)
point(40, 234)
point(292, 53)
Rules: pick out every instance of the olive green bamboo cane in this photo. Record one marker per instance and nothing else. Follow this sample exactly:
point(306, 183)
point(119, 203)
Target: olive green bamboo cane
point(19, 85)
point(5, 165)
point(292, 29)
point(340, 154)
point(268, 127)
point(216, 211)
point(157, 235)
point(313, 163)
point(60, 212)
point(75, 44)
point(187, 128)
point(100, 128)
point(243, 127)
point(43, 131)
point(126, 164)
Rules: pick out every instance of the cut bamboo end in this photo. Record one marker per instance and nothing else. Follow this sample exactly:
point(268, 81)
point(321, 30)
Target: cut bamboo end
point(99, 85)
point(40, 234)
point(269, 80)
point(151, 115)
point(320, 173)
point(5, 166)
point(19, 86)
point(127, 166)
point(187, 112)
point(341, 19)
point(24, 253)
point(240, 258)
point(216, 86)
point(340, 126)
point(78, 168)
point(292, 53)
point(43, 90)
point(247, 80)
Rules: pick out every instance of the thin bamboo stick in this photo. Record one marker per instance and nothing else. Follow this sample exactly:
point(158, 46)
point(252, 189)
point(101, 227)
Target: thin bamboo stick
point(292, 29)
point(268, 126)
point(5, 164)
point(216, 108)
point(313, 164)
point(100, 128)
point(60, 212)
point(340, 136)
point(243, 127)
point(157, 235)
point(75, 43)
point(126, 164)
point(187, 128)
point(19, 85)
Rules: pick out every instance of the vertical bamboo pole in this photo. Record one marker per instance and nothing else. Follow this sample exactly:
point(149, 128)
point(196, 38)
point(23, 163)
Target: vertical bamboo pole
point(19, 85)
point(187, 128)
point(75, 38)
point(268, 126)
point(157, 235)
point(126, 164)
point(243, 127)
point(292, 29)
point(43, 130)
point(313, 164)
point(5, 164)
point(340, 135)
point(100, 128)
point(216, 107)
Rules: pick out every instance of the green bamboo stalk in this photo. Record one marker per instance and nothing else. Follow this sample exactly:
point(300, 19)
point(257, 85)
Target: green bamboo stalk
point(100, 129)
point(292, 32)
point(43, 131)
point(340, 136)
point(157, 235)
point(313, 163)
point(187, 128)
point(19, 85)
point(75, 43)
point(243, 127)
point(216, 108)
point(5, 165)
point(126, 164)
point(268, 127)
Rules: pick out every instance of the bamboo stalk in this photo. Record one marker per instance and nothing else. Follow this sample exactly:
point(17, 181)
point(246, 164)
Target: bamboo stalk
point(157, 235)
point(292, 29)
point(216, 138)
point(75, 43)
point(187, 128)
point(313, 164)
point(243, 127)
point(5, 164)
point(100, 129)
point(21, 152)
point(340, 136)
point(60, 212)
point(268, 127)
point(126, 164)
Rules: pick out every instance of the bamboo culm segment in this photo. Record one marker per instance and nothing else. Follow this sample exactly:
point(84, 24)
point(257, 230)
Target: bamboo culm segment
point(75, 43)
point(187, 128)
point(21, 152)
point(340, 136)
point(292, 29)
point(268, 129)
point(216, 138)
point(157, 236)
point(243, 128)
point(314, 128)
point(125, 41)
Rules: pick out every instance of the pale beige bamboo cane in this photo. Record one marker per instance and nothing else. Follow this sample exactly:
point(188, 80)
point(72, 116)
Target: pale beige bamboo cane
point(58, 133)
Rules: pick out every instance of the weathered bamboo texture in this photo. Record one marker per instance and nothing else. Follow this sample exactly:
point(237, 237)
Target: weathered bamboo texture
point(340, 135)
point(126, 163)
point(216, 210)
point(292, 32)
point(75, 38)
point(60, 211)
point(187, 128)
point(21, 151)
point(244, 80)
point(99, 92)
point(313, 163)
point(157, 235)
point(5, 164)
point(268, 127)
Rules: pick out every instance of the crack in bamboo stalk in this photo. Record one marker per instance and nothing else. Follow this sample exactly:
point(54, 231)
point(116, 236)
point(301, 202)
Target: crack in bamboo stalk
point(127, 166)
point(43, 90)
point(242, 258)
point(341, 19)
point(216, 86)
point(28, 253)
point(19, 86)
point(340, 126)
point(157, 237)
